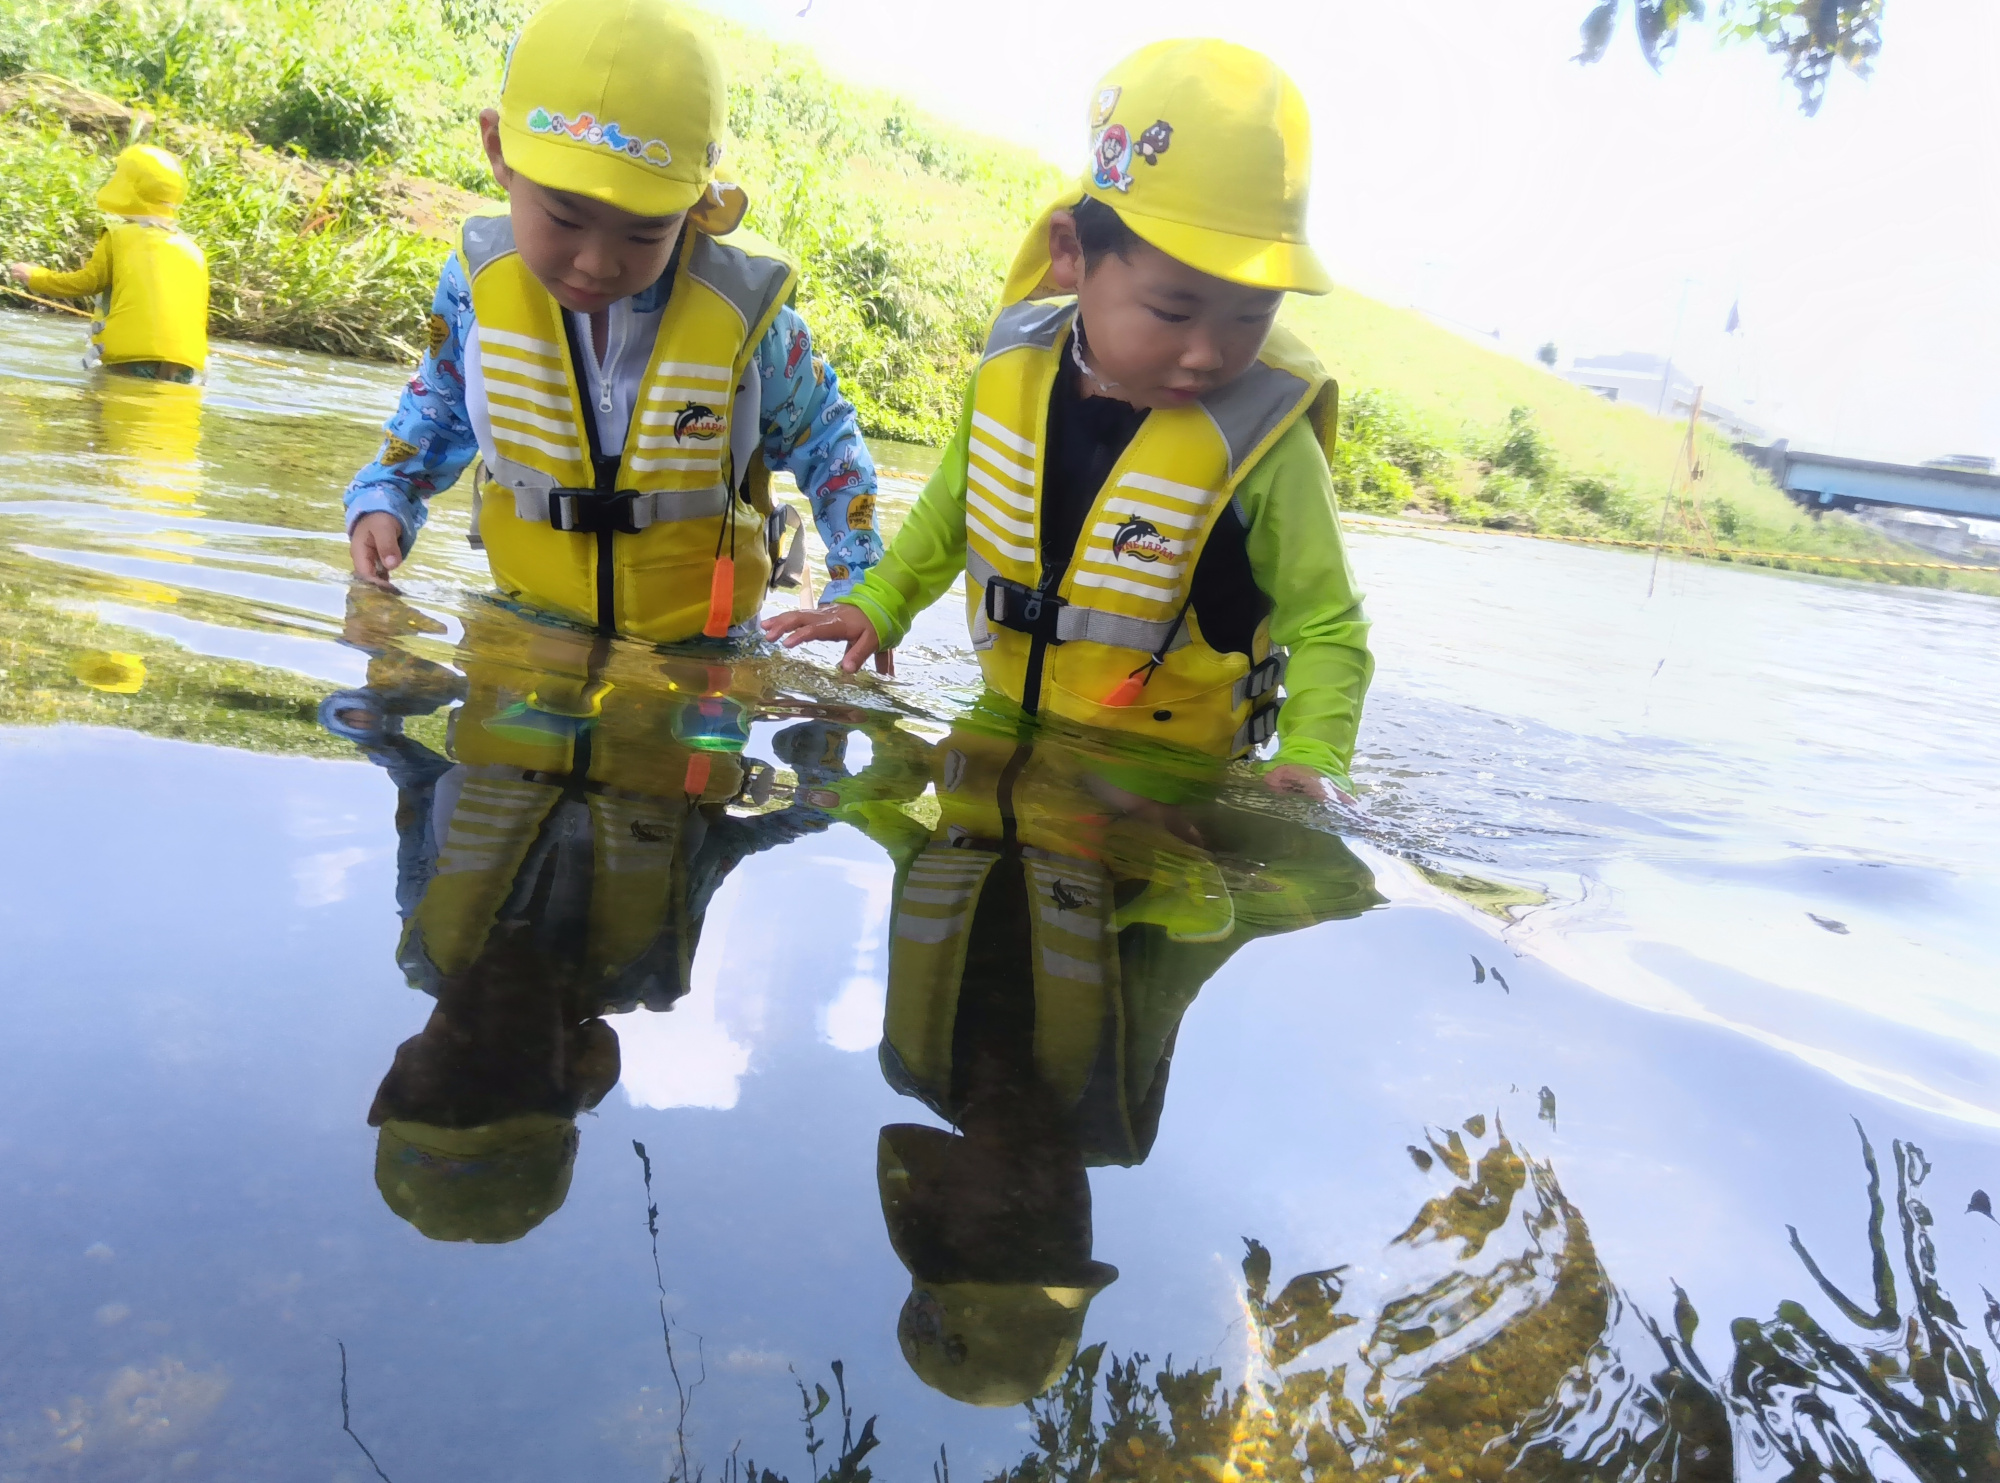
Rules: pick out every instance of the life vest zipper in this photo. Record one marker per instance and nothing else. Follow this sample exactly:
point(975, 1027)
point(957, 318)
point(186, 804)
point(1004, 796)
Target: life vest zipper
point(604, 473)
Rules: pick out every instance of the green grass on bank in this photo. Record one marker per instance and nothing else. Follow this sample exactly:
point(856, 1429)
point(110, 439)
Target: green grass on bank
point(332, 149)
point(307, 123)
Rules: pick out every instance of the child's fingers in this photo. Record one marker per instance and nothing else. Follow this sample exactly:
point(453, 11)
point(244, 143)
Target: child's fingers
point(859, 647)
point(885, 662)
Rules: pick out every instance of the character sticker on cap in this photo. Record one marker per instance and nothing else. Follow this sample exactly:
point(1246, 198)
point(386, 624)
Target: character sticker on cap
point(1112, 154)
point(585, 129)
point(1100, 113)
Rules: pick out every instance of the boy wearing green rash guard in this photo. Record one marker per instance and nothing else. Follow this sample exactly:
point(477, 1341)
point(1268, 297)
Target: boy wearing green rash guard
point(1138, 491)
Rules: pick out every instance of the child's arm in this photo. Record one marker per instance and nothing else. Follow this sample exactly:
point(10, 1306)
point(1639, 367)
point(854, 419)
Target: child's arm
point(429, 441)
point(86, 282)
point(926, 557)
point(809, 431)
point(1298, 561)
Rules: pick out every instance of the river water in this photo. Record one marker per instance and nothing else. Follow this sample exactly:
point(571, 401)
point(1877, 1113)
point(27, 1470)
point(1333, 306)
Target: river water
point(443, 1046)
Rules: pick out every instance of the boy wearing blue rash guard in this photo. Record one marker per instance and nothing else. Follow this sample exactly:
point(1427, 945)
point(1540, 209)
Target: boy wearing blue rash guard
point(622, 360)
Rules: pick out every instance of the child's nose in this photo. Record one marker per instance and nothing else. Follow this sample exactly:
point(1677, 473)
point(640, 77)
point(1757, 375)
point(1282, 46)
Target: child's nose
point(596, 259)
point(1203, 352)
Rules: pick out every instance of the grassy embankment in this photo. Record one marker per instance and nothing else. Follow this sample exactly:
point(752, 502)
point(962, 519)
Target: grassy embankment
point(328, 175)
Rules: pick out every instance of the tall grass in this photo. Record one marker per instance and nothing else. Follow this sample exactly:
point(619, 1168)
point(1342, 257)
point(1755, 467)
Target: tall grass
point(902, 226)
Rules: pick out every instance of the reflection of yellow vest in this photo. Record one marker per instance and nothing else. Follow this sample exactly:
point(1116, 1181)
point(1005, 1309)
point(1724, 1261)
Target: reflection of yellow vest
point(1099, 1062)
point(1124, 599)
point(639, 556)
point(157, 306)
point(522, 735)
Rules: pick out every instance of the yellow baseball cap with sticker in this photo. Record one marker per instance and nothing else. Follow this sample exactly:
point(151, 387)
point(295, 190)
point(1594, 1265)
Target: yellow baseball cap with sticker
point(1204, 149)
point(623, 101)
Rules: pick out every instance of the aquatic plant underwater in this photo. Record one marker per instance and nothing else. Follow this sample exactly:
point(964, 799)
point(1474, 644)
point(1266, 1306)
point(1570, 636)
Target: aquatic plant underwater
point(1530, 1364)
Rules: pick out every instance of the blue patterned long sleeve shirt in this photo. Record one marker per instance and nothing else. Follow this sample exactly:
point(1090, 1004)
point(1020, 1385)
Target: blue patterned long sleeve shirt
point(805, 426)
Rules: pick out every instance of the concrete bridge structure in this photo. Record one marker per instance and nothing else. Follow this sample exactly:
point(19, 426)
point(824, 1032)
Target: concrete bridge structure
point(1824, 481)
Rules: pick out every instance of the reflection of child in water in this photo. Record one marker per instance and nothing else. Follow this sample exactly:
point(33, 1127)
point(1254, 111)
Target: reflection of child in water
point(1046, 939)
point(542, 890)
point(477, 1113)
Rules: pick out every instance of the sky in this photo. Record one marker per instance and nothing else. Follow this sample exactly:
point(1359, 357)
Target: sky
point(1464, 165)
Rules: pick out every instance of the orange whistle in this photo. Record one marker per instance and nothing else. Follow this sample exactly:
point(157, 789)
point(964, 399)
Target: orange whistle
point(1128, 692)
point(696, 782)
point(721, 597)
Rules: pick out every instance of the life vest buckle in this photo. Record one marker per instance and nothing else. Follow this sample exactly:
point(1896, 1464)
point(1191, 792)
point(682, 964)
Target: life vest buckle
point(1265, 675)
point(1260, 728)
point(591, 511)
point(1024, 609)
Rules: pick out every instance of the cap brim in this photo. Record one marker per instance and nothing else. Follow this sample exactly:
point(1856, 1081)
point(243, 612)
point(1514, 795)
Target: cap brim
point(588, 170)
point(1291, 267)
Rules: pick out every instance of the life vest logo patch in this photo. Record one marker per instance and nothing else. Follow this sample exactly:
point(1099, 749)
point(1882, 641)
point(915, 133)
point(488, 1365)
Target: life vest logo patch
point(700, 423)
point(1141, 540)
point(1067, 896)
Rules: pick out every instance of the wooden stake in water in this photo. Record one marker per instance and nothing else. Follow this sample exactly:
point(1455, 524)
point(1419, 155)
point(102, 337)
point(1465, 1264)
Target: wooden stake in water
point(1686, 469)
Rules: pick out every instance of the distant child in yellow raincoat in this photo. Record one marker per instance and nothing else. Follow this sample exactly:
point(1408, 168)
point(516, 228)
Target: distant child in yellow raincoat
point(1138, 493)
point(149, 277)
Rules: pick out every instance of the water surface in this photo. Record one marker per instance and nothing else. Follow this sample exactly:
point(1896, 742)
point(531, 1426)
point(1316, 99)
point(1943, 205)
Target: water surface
point(359, 944)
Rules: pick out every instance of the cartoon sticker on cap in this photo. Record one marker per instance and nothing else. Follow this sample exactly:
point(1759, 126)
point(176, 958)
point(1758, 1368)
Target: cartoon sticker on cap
point(1100, 113)
point(585, 129)
point(1113, 151)
point(714, 154)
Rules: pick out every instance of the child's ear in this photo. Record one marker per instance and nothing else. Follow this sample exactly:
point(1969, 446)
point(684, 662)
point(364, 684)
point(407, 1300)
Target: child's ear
point(1066, 266)
point(489, 136)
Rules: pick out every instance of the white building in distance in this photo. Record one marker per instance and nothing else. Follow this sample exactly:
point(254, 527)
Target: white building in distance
point(1649, 383)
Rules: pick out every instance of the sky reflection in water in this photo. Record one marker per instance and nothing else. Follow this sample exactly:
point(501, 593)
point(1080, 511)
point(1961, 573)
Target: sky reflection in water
point(1374, 1178)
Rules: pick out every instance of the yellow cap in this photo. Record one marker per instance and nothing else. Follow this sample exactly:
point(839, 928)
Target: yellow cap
point(493, 1183)
point(145, 182)
point(619, 100)
point(995, 1343)
point(1205, 151)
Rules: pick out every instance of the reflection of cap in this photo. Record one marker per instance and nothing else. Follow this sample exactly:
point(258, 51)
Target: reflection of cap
point(619, 100)
point(145, 182)
point(493, 1183)
point(1204, 149)
point(984, 1342)
point(994, 1343)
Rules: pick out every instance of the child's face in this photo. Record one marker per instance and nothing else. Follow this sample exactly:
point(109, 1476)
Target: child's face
point(1163, 333)
point(585, 253)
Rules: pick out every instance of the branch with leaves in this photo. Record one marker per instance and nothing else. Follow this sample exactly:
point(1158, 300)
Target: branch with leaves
point(1807, 36)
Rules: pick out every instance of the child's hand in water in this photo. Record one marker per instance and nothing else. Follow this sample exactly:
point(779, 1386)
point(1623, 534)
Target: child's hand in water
point(839, 622)
point(1308, 782)
point(376, 546)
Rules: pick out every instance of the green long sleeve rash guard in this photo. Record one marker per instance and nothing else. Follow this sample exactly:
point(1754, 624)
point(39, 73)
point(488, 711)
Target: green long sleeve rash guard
point(1291, 536)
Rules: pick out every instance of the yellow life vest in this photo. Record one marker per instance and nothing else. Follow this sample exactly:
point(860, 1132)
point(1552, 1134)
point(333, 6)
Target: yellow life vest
point(157, 305)
point(1122, 611)
point(634, 549)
